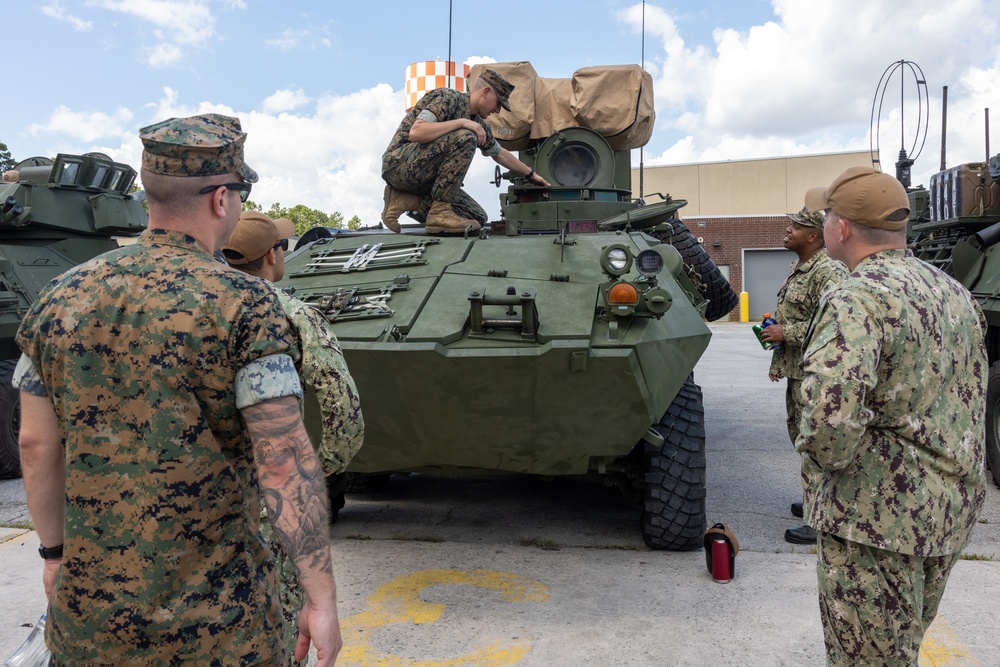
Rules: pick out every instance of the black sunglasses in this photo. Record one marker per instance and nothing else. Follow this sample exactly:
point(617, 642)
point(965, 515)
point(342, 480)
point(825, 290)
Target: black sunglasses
point(283, 244)
point(244, 189)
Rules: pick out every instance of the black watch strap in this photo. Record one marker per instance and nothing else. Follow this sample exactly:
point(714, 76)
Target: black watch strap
point(51, 553)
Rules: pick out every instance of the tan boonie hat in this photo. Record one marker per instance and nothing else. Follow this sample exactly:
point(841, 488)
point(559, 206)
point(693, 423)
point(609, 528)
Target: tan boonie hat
point(207, 145)
point(807, 218)
point(501, 86)
point(865, 196)
point(254, 235)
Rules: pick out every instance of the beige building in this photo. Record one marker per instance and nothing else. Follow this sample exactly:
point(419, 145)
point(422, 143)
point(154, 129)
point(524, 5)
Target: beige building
point(745, 187)
point(737, 211)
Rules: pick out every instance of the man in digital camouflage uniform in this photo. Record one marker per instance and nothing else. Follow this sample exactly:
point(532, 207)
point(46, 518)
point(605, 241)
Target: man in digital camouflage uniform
point(257, 247)
point(159, 397)
point(892, 428)
point(428, 157)
point(810, 276)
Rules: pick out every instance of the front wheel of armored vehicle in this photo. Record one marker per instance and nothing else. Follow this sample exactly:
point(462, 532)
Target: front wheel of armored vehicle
point(712, 285)
point(673, 513)
point(10, 422)
point(993, 422)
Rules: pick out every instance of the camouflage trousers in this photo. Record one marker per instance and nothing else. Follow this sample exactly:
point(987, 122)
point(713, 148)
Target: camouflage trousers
point(875, 604)
point(289, 593)
point(793, 407)
point(436, 171)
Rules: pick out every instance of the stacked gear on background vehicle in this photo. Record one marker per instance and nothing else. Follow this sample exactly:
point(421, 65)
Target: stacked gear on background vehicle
point(955, 225)
point(558, 340)
point(54, 215)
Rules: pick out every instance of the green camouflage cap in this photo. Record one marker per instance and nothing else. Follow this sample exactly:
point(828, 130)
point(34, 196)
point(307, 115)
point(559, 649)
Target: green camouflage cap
point(206, 145)
point(501, 86)
point(807, 218)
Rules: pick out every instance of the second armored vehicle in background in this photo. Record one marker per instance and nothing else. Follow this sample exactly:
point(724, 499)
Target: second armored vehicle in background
point(54, 215)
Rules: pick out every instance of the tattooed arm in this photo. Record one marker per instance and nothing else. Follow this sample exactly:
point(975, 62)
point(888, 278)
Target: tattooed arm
point(294, 491)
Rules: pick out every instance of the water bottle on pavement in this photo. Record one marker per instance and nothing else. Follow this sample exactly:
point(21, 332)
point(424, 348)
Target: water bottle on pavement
point(33, 652)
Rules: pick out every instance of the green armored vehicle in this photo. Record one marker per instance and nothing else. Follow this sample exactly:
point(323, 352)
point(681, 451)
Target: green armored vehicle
point(955, 225)
point(54, 215)
point(558, 340)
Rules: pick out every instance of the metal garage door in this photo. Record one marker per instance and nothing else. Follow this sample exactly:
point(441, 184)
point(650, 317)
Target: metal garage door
point(764, 272)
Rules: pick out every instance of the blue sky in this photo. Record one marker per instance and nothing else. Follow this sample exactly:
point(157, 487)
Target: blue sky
point(319, 86)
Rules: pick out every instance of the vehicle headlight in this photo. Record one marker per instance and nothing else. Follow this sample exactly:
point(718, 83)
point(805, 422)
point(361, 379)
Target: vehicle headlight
point(616, 260)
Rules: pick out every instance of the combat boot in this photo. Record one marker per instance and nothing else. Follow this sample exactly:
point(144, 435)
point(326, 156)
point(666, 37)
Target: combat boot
point(397, 203)
point(442, 219)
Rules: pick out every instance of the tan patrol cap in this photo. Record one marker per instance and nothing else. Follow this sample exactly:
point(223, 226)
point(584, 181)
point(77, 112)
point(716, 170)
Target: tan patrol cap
point(254, 235)
point(865, 196)
point(206, 145)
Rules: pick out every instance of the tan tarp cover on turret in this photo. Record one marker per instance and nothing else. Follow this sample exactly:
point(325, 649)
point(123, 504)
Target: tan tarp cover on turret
point(615, 101)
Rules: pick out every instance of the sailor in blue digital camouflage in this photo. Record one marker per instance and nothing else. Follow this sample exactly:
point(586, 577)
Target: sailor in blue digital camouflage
point(892, 430)
point(810, 276)
point(159, 395)
point(426, 161)
point(257, 247)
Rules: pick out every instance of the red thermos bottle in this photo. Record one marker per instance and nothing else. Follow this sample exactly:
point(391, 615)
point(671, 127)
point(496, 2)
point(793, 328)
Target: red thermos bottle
point(720, 561)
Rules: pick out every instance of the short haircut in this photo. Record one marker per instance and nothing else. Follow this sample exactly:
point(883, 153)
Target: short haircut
point(178, 193)
point(876, 236)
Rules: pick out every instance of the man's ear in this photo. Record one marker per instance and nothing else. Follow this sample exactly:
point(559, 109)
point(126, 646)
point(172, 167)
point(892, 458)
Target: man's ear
point(271, 257)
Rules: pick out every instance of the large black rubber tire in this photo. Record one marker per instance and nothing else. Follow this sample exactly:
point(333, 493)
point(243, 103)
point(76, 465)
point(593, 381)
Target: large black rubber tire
point(673, 513)
point(10, 422)
point(993, 422)
point(707, 277)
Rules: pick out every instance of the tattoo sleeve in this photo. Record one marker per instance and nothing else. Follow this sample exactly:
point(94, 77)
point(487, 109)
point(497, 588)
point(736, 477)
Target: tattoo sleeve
point(292, 484)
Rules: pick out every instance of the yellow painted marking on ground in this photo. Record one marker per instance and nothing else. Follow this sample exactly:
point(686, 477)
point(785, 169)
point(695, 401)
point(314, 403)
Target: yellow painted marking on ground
point(398, 601)
point(943, 647)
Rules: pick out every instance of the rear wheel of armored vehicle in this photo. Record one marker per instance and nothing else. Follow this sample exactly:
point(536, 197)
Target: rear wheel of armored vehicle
point(993, 422)
point(673, 513)
point(10, 422)
point(703, 272)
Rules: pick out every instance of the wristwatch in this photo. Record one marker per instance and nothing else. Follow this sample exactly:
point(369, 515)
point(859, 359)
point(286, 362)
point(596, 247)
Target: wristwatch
point(51, 553)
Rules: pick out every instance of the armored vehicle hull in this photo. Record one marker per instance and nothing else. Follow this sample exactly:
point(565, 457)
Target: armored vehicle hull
point(559, 340)
point(54, 215)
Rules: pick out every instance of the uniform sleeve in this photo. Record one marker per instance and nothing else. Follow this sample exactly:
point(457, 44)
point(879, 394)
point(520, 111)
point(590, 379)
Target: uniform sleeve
point(826, 275)
point(840, 364)
point(325, 372)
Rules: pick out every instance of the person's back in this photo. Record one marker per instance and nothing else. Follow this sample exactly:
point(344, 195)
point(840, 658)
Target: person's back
point(159, 403)
point(923, 390)
point(158, 456)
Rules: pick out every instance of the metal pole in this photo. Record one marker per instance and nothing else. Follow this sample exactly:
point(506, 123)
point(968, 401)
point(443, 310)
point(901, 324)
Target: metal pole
point(643, 66)
point(944, 125)
point(448, 64)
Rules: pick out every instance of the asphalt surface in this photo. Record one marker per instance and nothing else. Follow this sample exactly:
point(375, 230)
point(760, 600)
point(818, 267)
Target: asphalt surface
point(497, 571)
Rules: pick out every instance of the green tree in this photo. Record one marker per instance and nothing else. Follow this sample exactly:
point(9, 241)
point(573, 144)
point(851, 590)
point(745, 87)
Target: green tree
point(305, 218)
point(6, 161)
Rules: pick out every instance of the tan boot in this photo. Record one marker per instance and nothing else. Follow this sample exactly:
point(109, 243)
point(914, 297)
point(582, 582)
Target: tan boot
point(442, 219)
point(397, 203)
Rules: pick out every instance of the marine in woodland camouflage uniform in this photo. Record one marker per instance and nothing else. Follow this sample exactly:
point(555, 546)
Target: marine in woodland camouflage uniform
point(811, 274)
point(435, 169)
point(893, 427)
point(156, 362)
point(256, 247)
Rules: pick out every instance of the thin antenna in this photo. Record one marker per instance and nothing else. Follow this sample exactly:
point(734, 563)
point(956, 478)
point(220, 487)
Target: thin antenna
point(643, 66)
point(448, 64)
